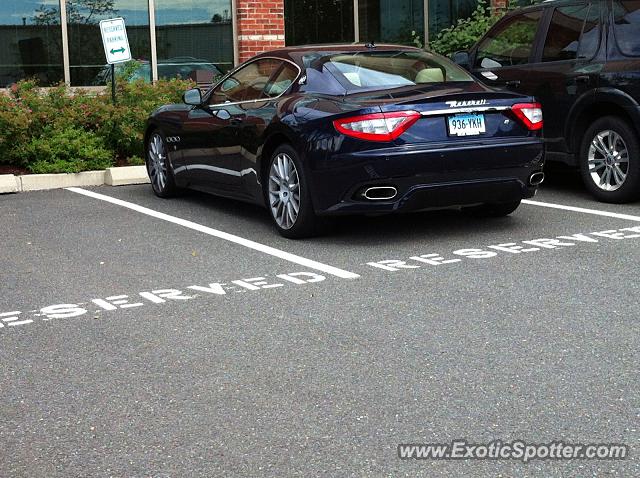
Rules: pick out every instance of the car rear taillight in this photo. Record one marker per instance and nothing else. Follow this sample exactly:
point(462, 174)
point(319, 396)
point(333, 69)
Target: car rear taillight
point(377, 126)
point(530, 114)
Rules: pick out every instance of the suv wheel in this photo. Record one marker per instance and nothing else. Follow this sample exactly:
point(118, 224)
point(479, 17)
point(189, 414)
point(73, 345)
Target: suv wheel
point(610, 160)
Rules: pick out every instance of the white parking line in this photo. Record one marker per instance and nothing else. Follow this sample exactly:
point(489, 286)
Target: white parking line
point(582, 210)
point(222, 235)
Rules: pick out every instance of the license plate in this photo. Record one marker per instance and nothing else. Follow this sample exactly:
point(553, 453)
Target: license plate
point(466, 125)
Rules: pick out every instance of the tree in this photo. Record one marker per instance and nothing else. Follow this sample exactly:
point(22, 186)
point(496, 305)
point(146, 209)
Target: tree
point(79, 12)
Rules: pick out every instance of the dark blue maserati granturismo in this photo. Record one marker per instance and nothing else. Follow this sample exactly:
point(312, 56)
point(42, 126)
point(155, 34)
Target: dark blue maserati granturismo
point(316, 131)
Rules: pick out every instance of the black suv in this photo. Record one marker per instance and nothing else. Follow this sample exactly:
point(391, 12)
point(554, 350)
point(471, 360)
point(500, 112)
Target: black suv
point(581, 60)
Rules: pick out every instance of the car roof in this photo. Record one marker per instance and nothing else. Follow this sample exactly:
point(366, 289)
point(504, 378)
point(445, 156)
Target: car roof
point(346, 47)
point(551, 3)
point(295, 53)
point(548, 4)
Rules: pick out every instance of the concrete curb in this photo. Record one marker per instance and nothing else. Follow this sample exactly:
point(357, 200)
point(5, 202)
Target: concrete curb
point(38, 182)
point(9, 184)
point(123, 176)
point(126, 175)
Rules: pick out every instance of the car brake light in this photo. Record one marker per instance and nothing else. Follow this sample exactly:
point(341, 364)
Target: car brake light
point(530, 114)
point(377, 126)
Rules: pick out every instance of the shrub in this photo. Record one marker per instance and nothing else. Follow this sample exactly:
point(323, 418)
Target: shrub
point(67, 150)
point(467, 31)
point(57, 130)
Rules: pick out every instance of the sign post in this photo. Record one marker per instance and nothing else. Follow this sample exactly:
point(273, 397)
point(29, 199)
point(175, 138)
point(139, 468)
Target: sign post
point(116, 46)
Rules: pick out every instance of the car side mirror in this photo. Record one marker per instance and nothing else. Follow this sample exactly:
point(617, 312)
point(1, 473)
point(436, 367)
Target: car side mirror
point(193, 97)
point(462, 59)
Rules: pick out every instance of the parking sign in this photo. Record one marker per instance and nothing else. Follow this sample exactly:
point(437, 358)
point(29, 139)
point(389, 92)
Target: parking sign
point(114, 38)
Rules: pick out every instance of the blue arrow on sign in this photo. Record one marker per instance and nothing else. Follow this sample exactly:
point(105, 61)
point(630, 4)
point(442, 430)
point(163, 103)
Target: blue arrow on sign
point(119, 50)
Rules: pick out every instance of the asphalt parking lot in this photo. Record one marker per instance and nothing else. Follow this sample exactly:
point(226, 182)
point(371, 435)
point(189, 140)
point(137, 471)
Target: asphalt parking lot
point(188, 339)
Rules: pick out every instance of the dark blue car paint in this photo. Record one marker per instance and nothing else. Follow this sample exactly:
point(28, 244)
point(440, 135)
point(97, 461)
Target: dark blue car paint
point(224, 149)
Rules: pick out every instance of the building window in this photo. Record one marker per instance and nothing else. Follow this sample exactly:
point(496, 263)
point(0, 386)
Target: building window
point(31, 39)
point(193, 35)
point(444, 13)
point(86, 52)
point(388, 21)
point(391, 21)
point(318, 21)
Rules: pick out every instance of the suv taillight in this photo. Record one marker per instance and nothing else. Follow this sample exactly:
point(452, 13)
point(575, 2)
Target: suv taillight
point(377, 126)
point(530, 114)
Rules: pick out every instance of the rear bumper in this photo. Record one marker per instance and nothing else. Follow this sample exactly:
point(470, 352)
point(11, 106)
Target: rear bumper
point(436, 196)
point(438, 177)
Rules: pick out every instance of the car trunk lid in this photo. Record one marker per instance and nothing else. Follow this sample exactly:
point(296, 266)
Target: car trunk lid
point(460, 111)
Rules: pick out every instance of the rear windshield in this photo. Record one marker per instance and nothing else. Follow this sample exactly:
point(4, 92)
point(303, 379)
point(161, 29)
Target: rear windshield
point(386, 69)
point(627, 26)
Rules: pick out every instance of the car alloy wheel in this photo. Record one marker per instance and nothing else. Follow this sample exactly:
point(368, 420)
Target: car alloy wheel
point(156, 163)
point(608, 158)
point(284, 191)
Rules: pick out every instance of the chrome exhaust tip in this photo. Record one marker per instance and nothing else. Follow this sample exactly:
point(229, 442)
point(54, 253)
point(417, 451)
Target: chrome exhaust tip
point(536, 179)
point(380, 193)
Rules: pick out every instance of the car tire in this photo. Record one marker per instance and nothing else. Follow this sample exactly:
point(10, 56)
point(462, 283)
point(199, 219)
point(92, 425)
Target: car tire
point(610, 160)
point(159, 166)
point(288, 197)
point(493, 210)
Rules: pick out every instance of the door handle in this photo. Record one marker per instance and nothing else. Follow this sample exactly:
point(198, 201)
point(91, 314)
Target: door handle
point(583, 78)
point(513, 83)
point(236, 121)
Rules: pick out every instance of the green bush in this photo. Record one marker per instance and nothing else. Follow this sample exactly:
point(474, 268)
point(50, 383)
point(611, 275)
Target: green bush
point(467, 31)
point(59, 130)
point(67, 150)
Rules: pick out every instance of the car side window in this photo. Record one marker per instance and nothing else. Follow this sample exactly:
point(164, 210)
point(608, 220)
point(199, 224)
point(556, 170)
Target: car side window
point(573, 32)
point(590, 40)
point(627, 26)
point(511, 43)
point(283, 80)
point(246, 84)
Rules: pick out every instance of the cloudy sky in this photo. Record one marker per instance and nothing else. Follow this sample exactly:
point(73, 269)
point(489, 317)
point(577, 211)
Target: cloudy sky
point(134, 11)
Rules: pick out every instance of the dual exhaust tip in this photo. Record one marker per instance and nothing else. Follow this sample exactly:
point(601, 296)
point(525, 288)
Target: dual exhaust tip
point(386, 193)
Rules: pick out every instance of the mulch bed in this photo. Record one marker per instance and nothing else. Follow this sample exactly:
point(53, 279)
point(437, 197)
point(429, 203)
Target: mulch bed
point(5, 169)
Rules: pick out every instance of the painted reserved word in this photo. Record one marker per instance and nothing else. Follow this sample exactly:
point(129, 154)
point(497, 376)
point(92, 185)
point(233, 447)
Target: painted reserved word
point(156, 296)
point(523, 247)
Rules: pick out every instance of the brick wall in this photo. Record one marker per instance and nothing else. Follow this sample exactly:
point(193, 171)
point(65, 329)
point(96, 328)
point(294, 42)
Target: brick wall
point(260, 26)
point(499, 4)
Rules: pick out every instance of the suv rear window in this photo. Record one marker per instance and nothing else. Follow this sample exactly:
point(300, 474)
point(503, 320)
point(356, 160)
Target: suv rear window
point(627, 26)
point(385, 69)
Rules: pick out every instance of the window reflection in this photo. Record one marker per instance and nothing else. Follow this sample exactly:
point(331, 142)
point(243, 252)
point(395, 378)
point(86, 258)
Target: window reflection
point(511, 43)
point(31, 39)
point(391, 21)
point(627, 27)
point(86, 52)
point(444, 13)
point(193, 35)
point(318, 21)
